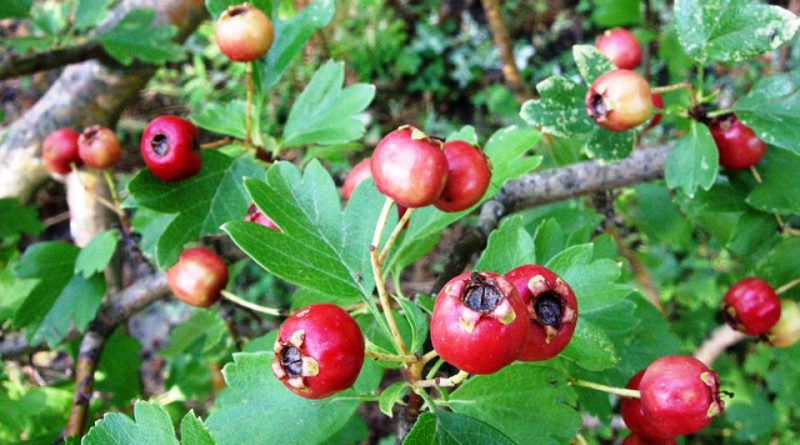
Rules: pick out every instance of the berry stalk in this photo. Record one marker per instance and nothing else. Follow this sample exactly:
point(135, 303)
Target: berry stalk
point(248, 119)
point(622, 392)
point(395, 233)
point(252, 306)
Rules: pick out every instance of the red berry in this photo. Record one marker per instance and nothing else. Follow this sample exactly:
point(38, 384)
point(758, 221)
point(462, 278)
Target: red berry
point(319, 351)
point(258, 217)
point(658, 104)
point(680, 395)
point(552, 311)
point(60, 149)
point(99, 147)
point(634, 439)
point(357, 175)
point(467, 178)
point(787, 331)
point(244, 33)
point(619, 100)
point(478, 322)
point(751, 306)
point(168, 148)
point(738, 145)
point(409, 167)
point(198, 277)
point(634, 417)
point(621, 47)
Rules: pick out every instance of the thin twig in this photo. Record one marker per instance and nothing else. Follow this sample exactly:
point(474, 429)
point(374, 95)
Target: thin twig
point(442, 382)
point(622, 392)
point(395, 233)
point(506, 49)
point(786, 287)
point(721, 339)
point(252, 306)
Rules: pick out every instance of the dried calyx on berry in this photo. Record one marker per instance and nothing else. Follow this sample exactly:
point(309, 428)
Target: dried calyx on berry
point(290, 365)
point(552, 311)
point(478, 322)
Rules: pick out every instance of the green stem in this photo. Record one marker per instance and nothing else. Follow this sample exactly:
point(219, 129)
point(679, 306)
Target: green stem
point(248, 120)
point(622, 392)
point(390, 357)
point(722, 112)
point(395, 233)
point(252, 306)
point(786, 287)
point(434, 369)
point(443, 382)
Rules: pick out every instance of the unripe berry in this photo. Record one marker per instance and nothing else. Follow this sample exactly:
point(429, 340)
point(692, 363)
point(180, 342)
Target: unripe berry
point(99, 147)
point(619, 100)
point(738, 145)
point(467, 178)
point(59, 150)
point(198, 277)
point(244, 33)
point(319, 351)
point(478, 323)
point(787, 331)
point(168, 148)
point(409, 167)
point(621, 47)
point(751, 306)
point(258, 217)
point(552, 311)
point(680, 395)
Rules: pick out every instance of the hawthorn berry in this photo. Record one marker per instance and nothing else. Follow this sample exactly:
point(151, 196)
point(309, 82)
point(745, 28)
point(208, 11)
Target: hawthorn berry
point(409, 167)
point(478, 322)
point(244, 33)
point(619, 100)
point(738, 145)
point(635, 419)
point(552, 311)
point(635, 439)
point(357, 175)
point(319, 351)
point(60, 149)
point(751, 306)
point(257, 216)
point(680, 395)
point(787, 331)
point(658, 104)
point(198, 277)
point(468, 177)
point(621, 47)
point(168, 148)
point(99, 147)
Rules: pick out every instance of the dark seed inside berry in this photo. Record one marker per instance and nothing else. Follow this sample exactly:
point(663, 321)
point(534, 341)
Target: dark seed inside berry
point(160, 144)
point(549, 309)
point(598, 106)
point(292, 361)
point(481, 295)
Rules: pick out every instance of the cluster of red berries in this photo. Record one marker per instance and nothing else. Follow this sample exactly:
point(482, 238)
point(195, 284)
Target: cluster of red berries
point(483, 321)
point(621, 99)
point(679, 395)
point(96, 147)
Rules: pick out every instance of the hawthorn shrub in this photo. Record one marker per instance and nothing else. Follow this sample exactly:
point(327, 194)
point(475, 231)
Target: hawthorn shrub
point(319, 267)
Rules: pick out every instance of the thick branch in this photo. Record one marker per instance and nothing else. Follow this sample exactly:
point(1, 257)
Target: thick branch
point(550, 186)
point(20, 65)
point(503, 43)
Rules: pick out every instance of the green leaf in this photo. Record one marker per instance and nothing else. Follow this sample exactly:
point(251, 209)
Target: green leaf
point(509, 246)
point(194, 431)
point(257, 405)
point(611, 13)
point(417, 323)
point(659, 218)
point(693, 161)
point(390, 396)
point(591, 62)
point(290, 39)
point(89, 13)
point(446, 428)
point(780, 191)
point(772, 110)
point(16, 219)
point(569, 257)
point(96, 255)
point(591, 348)
point(17, 9)
point(13, 290)
point(152, 426)
point(318, 247)
point(135, 37)
point(60, 299)
point(549, 239)
point(201, 204)
point(466, 134)
point(610, 145)
point(118, 370)
point(217, 7)
point(781, 264)
point(34, 413)
point(560, 109)
point(510, 398)
point(731, 30)
point(222, 118)
point(324, 113)
point(203, 331)
point(150, 225)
